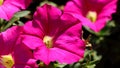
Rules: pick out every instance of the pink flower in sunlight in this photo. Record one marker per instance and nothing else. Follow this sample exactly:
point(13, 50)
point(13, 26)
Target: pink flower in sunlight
point(10, 43)
point(53, 36)
point(92, 13)
point(9, 7)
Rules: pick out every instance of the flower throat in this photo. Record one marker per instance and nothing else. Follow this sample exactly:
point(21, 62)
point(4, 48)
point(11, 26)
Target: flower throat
point(1, 2)
point(92, 16)
point(7, 61)
point(48, 41)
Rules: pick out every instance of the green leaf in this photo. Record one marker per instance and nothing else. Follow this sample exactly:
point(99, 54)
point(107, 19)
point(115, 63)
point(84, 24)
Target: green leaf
point(90, 59)
point(48, 2)
point(1, 21)
point(21, 13)
point(77, 65)
point(20, 23)
point(10, 23)
point(2, 24)
point(58, 65)
point(91, 66)
point(15, 18)
point(88, 29)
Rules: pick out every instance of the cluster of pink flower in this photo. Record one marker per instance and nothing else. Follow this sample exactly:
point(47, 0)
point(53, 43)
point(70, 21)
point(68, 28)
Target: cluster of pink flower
point(52, 35)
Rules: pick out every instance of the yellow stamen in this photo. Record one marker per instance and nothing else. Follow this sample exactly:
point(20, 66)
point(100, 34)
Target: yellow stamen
point(92, 15)
point(7, 61)
point(48, 41)
point(1, 2)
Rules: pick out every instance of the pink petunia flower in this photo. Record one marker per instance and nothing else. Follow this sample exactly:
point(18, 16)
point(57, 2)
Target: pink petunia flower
point(53, 36)
point(92, 13)
point(9, 7)
point(10, 43)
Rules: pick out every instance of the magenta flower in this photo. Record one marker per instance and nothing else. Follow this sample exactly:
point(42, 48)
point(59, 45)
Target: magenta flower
point(53, 37)
point(10, 43)
point(9, 7)
point(92, 13)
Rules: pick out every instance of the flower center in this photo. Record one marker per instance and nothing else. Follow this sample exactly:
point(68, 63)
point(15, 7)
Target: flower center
point(7, 61)
point(1, 2)
point(48, 41)
point(92, 16)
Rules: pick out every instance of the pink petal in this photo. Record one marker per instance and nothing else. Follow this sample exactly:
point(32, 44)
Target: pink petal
point(76, 7)
point(3, 16)
point(22, 54)
point(2, 66)
point(42, 54)
point(21, 66)
point(63, 56)
point(6, 11)
point(46, 18)
point(71, 44)
point(66, 50)
point(100, 23)
point(30, 64)
point(10, 7)
point(71, 25)
point(31, 29)
point(31, 41)
point(21, 4)
point(8, 39)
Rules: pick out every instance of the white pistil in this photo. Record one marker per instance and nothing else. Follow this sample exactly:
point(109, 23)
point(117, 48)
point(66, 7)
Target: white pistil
point(48, 41)
point(1, 2)
point(7, 61)
point(92, 16)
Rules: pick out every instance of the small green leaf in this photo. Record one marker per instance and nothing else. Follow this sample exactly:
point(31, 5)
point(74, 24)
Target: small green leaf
point(91, 66)
point(77, 65)
point(48, 2)
point(88, 29)
point(15, 18)
point(90, 59)
point(20, 23)
point(10, 23)
point(21, 13)
point(58, 65)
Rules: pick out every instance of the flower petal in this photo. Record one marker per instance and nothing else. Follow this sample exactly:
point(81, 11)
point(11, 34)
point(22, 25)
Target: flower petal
point(30, 29)
point(31, 41)
point(22, 54)
point(46, 18)
point(8, 39)
point(10, 7)
point(63, 56)
point(6, 10)
point(21, 4)
point(76, 6)
point(21, 66)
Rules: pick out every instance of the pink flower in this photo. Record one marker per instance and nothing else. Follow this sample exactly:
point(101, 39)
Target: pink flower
point(92, 13)
point(53, 36)
point(9, 7)
point(10, 43)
